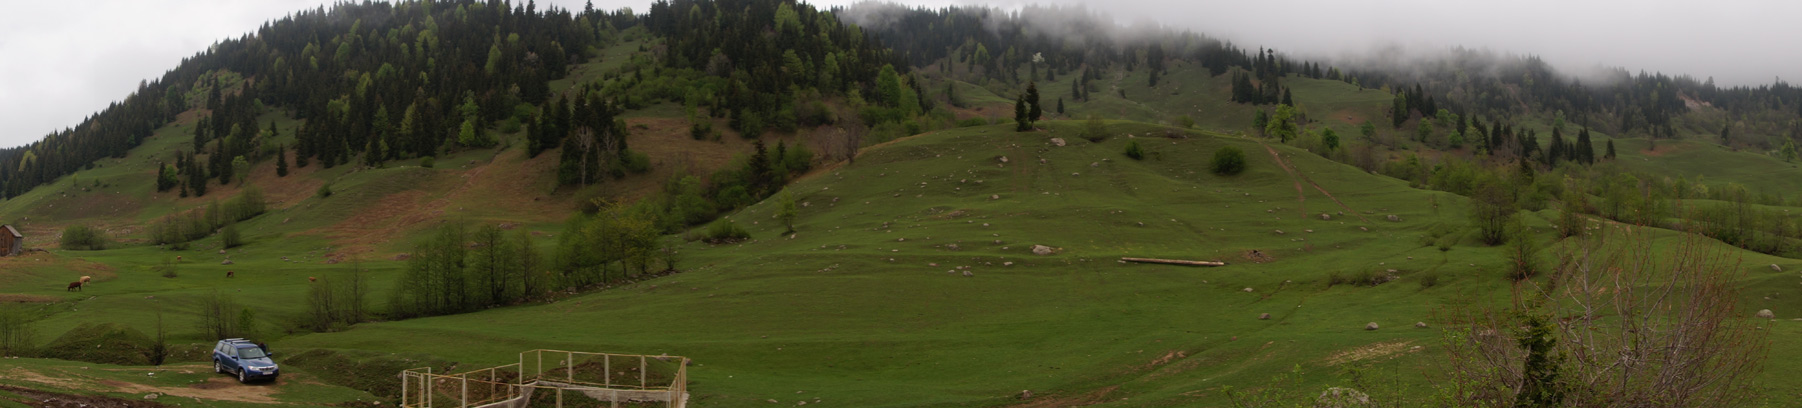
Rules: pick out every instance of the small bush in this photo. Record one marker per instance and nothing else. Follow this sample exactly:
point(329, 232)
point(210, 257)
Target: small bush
point(1429, 280)
point(325, 190)
point(1134, 151)
point(635, 162)
point(725, 232)
point(230, 237)
point(82, 238)
point(510, 126)
point(428, 162)
point(1228, 161)
point(1094, 129)
point(1185, 121)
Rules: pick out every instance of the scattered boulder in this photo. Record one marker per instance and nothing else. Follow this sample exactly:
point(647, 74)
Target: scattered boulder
point(967, 273)
point(1057, 141)
point(1004, 159)
point(1394, 218)
point(1265, 316)
point(1042, 250)
point(222, 252)
point(1371, 326)
point(225, 262)
point(1025, 394)
point(951, 247)
point(1279, 232)
point(1341, 397)
point(151, 396)
point(1420, 325)
point(1775, 268)
point(994, 196)
point(1246, 290)
point(1765, 314)
point(1326, 217)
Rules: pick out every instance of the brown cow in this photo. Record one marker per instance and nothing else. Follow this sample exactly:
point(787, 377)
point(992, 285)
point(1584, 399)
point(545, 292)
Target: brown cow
point(312, 279)
point(74, 286)
point(229, 274)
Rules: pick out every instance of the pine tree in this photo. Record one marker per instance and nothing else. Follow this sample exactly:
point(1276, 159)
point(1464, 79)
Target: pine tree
point(1610, 154)
point(1060, 106)
point(1726, 137)
point(1287, 99)
point(1032, 99)
point(1586, 150)
point(281, 161)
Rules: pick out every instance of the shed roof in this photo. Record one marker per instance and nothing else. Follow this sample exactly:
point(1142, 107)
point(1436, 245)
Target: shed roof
point(15, 232)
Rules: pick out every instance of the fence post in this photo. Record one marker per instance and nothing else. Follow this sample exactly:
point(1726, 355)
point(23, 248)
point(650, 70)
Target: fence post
point(607, 370)
point(641, 372)
point(569, 362)
point(465, 402)
point(404, 384)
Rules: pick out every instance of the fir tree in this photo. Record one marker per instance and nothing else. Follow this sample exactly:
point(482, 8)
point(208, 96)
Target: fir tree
point(281, 161)
point(1032, 99)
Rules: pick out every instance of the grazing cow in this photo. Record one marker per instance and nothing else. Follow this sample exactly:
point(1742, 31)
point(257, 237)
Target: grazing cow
point(312, 279)
point(75, 286)
point(229, 274)
point(178, 258)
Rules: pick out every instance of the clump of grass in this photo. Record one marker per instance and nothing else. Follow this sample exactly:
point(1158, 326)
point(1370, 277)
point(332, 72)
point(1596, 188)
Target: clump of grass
point(1366, 278)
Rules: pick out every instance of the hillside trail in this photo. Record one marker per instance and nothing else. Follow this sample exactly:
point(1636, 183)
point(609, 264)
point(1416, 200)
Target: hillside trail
point(1301, 178)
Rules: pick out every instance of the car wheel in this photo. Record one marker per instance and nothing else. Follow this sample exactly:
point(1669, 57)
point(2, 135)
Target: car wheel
point(241, 377)
point(218, 368)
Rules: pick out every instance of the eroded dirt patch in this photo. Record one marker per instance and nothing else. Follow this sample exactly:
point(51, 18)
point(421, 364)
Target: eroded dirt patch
point(1367, 352)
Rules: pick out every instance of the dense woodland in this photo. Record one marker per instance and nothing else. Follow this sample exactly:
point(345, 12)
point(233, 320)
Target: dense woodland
point(374, 82)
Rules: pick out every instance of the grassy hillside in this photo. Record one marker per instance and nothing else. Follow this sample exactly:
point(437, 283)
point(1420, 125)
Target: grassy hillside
point(869, 305)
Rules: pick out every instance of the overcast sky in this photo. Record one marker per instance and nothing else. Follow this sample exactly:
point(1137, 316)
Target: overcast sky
point(61, 61)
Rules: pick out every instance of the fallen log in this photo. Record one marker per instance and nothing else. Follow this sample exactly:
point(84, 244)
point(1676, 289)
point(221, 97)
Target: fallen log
point(1174, 262)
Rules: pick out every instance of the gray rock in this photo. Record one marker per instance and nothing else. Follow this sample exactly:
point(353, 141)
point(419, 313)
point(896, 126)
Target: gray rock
point(1042, 250)
point(225, 262)
point(1775, 268)
point(1765, 314)
point(1264, 316)
point(1420, 325)
point(1326, 217)
point(1057, 141)
point(1341, 397)
point(1394, 218)
point(1371, 326)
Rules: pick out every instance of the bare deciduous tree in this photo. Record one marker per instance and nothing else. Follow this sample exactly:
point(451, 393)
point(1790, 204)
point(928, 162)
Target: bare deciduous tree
point(1617, 324)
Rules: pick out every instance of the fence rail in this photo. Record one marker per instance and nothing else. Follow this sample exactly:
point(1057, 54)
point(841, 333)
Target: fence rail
point(606, 378)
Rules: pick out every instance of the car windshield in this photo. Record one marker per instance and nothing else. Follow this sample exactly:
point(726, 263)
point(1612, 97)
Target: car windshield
point(251, 352)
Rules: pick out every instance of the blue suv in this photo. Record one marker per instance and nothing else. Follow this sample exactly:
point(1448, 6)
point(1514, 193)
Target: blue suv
point(244, 358)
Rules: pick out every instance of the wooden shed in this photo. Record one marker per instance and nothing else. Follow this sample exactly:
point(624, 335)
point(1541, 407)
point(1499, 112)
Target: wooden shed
point(11, 241)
